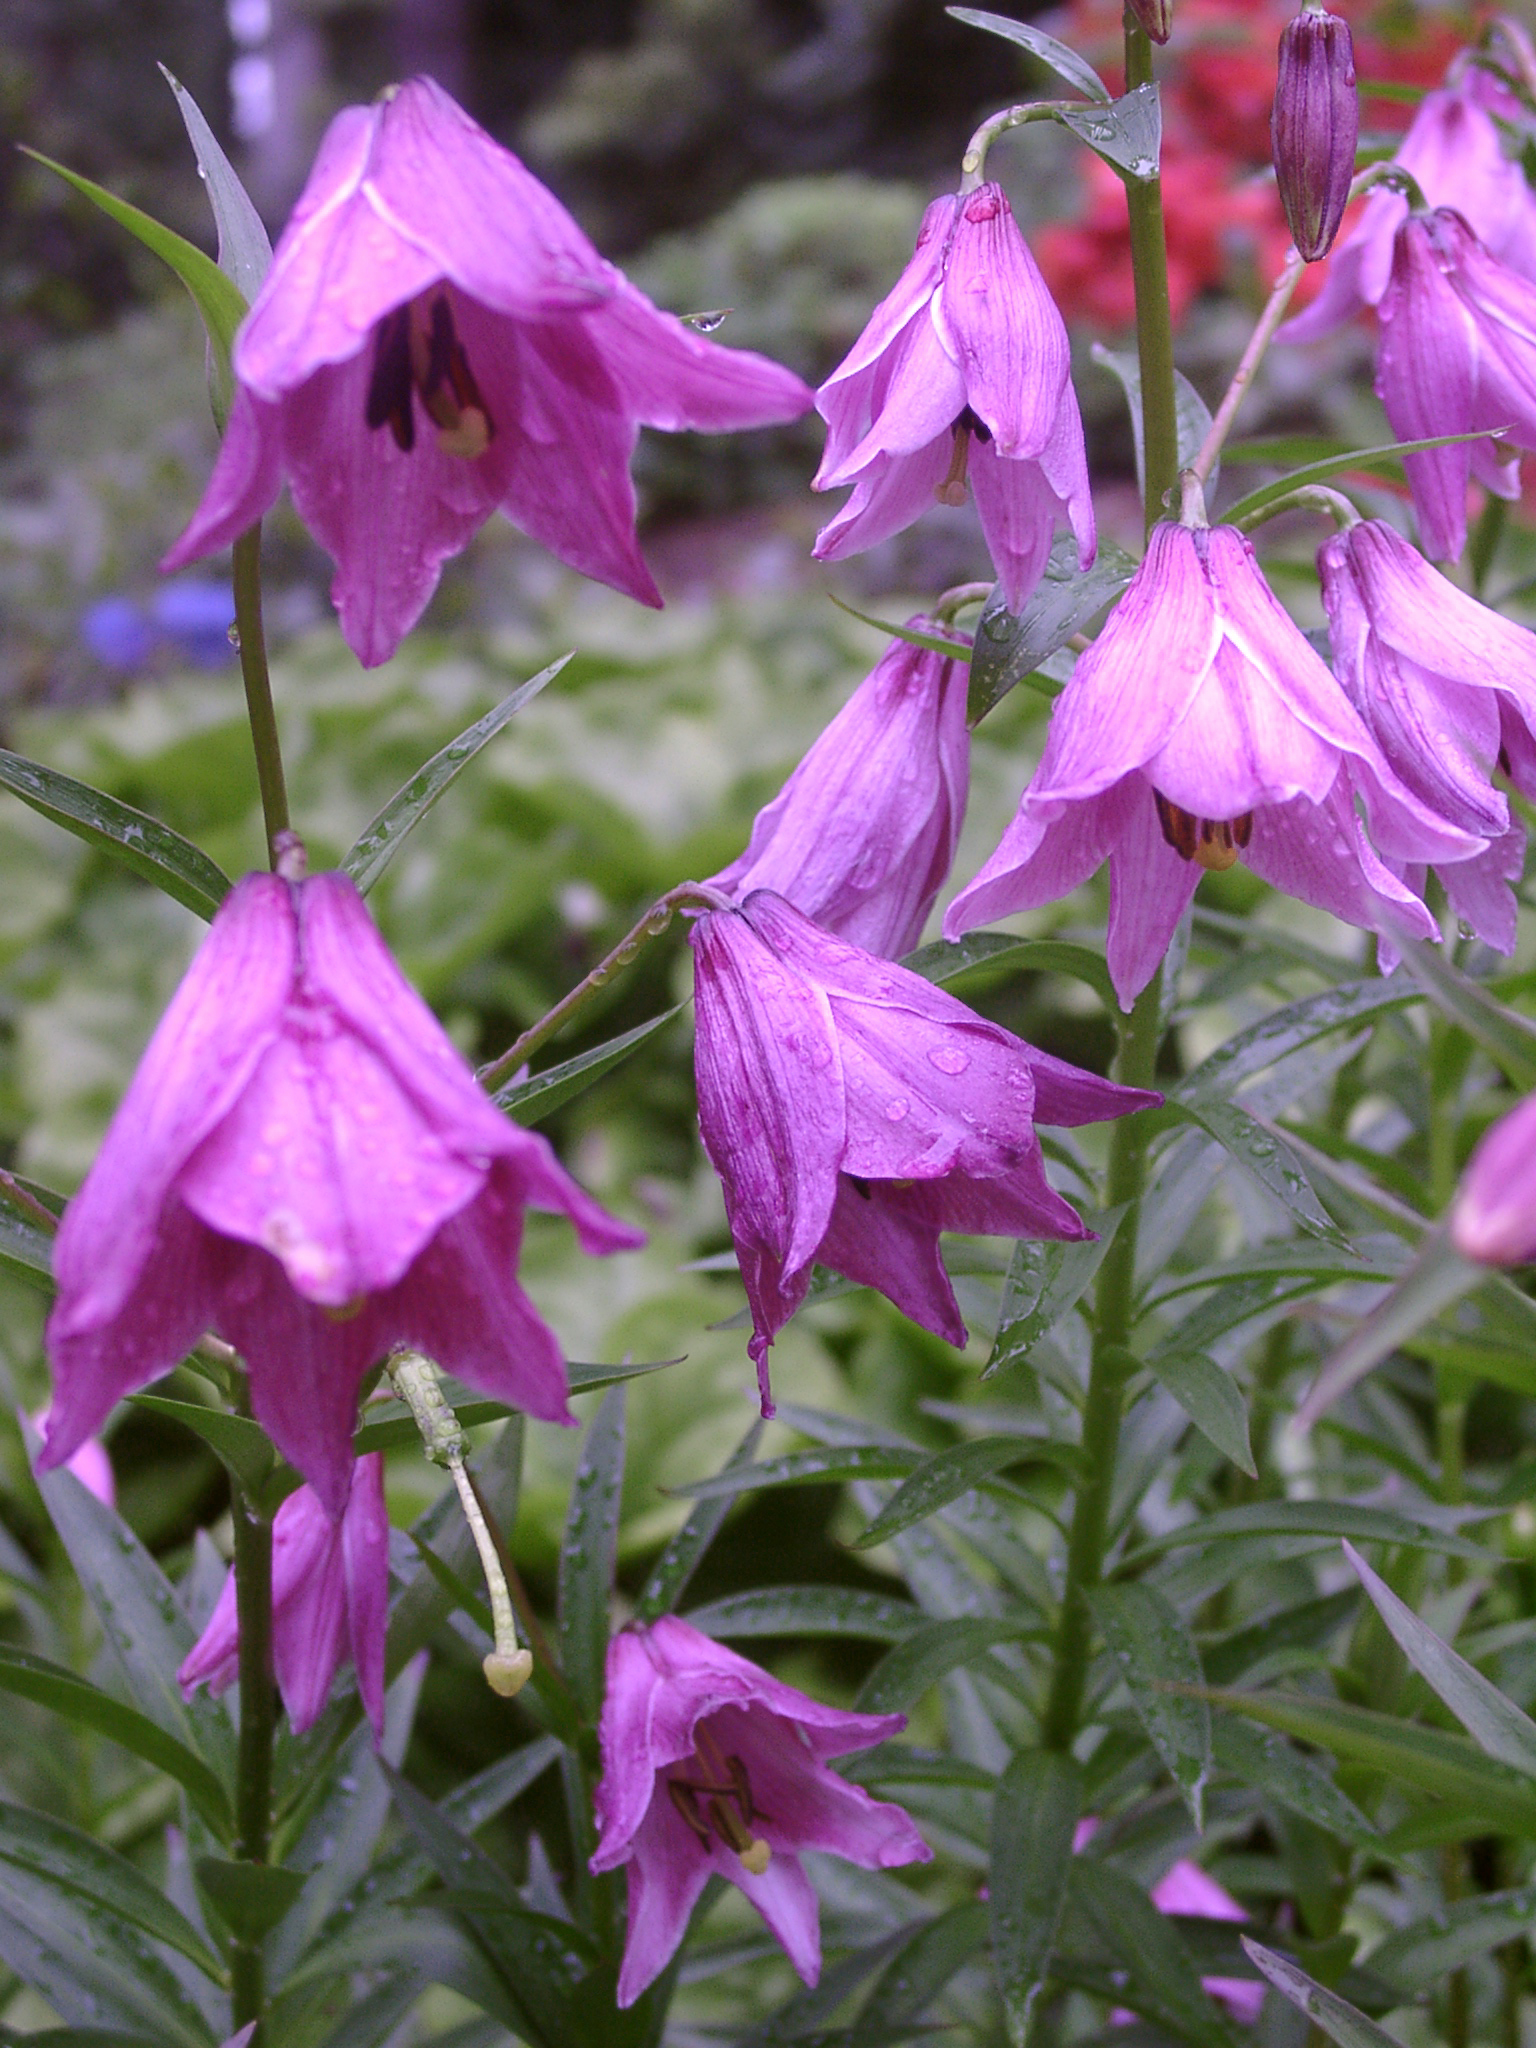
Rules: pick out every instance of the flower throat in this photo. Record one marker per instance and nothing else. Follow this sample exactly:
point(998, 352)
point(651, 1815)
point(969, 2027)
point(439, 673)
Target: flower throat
point(1214, 843)
point(416, 348)
point(719, 1806)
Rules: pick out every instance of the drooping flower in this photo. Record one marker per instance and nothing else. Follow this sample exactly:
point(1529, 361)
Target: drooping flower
point(1448, 689)
point(853, 1111)
point(330, 1600)
point(1200, 728)
point(712, 1768)
point(90, 1464)
point(1315, 125)
point(436, 338)
point(1454, 153)
point(1493, 1218)
point(862, 835)
point(962, 375)
point(305, 1165)
point(1457, 356)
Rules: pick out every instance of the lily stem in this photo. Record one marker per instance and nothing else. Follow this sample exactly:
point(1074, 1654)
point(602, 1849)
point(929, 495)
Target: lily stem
point(1154, 313)
point(1253, 355)
point(1111, 1367)
point(258, 687)
point(253, 1787)
point(651, 926)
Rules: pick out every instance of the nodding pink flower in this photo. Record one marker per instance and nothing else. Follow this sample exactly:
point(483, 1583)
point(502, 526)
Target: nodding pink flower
point(1493, 1218)
point(1457, 356)
point(862, 835)
point(1448, 689)
point(713, 1769)
point(436, 338)
point(1455, 154)
point(1200, 728)
point(330, 1599)
point(962, 375)
point(853, 1111)
point(304, 1164)
point(1189, 1891)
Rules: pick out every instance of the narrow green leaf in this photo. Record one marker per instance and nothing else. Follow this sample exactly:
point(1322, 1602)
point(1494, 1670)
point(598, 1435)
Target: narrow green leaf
point(1504, 1034)
point(218, 301)
point(1335, 2016)
point(379, 842)
point(1494, 1723)
point(1438, 1276)
point(55, 1856)
point(1034, 1815)
point(1424, 1954)
point(809, 1611)
point(1312, 1518)
point(1163, 1980)
point(1011, 645)
point(26, 1244)
point(241, 1446)
point(1128, 134)
point(1432, 1763)
point(543, 1093)
point(1046, 1280)
point(51, 1685)
point(1192, 413)
point(588, 1553)
point(957, 647)
point(669, 1576)
point(1212, 1400)
point(250, 1898)
point(930, 1653)
point(1263, 1151)
point(1267, 1762)
point(808, 1468)
point(1287, 1030)
point(1065, 62)
point(1309, 1625)
point(1154, 1651)
point(151, 849)
point(917, 1973)
point(1384, 460)
point(588, 1378)
point(950, 1473)
point(245, 254)
point(945, 960)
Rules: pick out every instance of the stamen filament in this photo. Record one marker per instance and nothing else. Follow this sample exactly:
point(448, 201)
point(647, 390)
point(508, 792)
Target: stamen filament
point(952, 490)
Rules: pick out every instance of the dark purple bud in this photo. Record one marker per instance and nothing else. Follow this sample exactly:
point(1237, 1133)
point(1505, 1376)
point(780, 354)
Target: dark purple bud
point(1155, 16)
point(1314, 126)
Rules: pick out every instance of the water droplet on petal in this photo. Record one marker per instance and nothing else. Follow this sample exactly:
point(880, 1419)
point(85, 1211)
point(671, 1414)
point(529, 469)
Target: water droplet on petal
point(897, 1110)
point(949, 1059)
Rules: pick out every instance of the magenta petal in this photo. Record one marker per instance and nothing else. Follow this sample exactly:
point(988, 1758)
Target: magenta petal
point(671, 376)
point(787, 1900)
point(214, 1659)
point(874, 1239)
point(667, 1871)
point(1047, 851)
point(1494, 1217)
point(923, 396)
point(889, 495)
point(1018, 512)
point(1320, 854)
point(365, 1559)
point(1149, 891)
point(815, 1808)
point(1001, 327)
point(247, 476)
point(309, 1606)
point(1479, 890)
point(910, 294)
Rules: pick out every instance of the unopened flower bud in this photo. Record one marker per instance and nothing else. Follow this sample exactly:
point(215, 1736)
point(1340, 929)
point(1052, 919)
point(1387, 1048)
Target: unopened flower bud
point(1314, 126)
point(1155, 16)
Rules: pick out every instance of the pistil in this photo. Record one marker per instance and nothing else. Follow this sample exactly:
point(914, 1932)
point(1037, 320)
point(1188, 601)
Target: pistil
point(952, 490)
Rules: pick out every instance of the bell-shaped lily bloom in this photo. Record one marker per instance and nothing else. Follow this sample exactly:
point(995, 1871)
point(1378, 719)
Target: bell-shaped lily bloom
point(961, 375)
point(1457, 356)
point(862, 835)
point(305, 1165)
point(1455, 154)
point(1493, 1218)
point(436, 338)
point(1448, 689)
point(853, 1111)
point(713, 1769)
point(330, 1600)
point(1200, 728)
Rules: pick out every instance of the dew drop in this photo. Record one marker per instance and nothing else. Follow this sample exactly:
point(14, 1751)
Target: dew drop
point(949, 1059)
point(897, 1110)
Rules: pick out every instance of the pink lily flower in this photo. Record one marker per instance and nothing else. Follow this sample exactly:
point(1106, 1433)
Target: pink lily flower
point(437, 338)
point(1455, 154)
point(1493, 1218)
point(862, 835)
point(712, 1768)
point(962, 375)
point(330, 1596)
point(853, 1111)
point(1200, 728)
point(90, 1464)
point(1448, 689)
point(305, 1164)
point(1457, 356)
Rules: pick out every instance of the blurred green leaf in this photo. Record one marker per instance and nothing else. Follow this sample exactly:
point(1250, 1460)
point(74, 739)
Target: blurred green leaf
point(1163, 1981)
point(1311, 1518)
point(1503, 1033)
point(250, 1898)
point(588, 1552)
point(1270, 1765)
point(950, 1473)
point(809, 1611)
point(1332, 2015)
point(1155, 1652)
point(930, 1653)
point(1287, 1030)
point(1192, 413)
point(917, 1973)
point(1424, 1953)
point(240, 1445)
point(669, 1576)
point(1065, 62)
point(1039, 1802)
point(1438, 1277)
point(539, 1096)
point(1384, 460)
point(245, 254)
point(807, 1468)
point(1211, 1398)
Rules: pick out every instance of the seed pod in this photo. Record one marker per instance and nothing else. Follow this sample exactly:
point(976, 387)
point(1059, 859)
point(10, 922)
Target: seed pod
point(1155, 16)
point(1314, 126)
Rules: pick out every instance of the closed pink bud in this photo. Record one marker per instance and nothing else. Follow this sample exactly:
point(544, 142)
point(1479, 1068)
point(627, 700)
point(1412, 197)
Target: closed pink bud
point(1314, 126)
point(1155, 16)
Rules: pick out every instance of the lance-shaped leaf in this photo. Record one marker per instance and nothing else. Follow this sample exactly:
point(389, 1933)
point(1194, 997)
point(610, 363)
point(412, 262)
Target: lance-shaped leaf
point(539, 1096)
point(26, 1242)
point(245, 253)
point(1065, 62)
point(1268, 1763)
point(1127, 134)
point(669, 1577)
point(1383, 460)
point(930, 1653)
point(949, 1474)
point(945, 960)
point(1275, 1036)
point(808, 1468)
point(917, 1973)
point(1438, 1277)
point(1211, 1398)
point(151, 849)
point(379, 842)
point(1424, 1954)
point(1163, 1980)
point(1192, 413)
point(241, 1446)
point(1154, 1652)
point(588, 1553)
point(1038, 1804)
point(809, 1611)
point(1332, 2015)
point(1265, 1152)
point(1504, 1034)
point(1045, 1281)
point(1313, 1518)
point(1011, 645)
point(250, 1898)
point(1494, 1723)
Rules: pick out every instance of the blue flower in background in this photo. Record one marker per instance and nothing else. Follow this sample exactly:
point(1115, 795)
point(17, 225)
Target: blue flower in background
point(190, 619)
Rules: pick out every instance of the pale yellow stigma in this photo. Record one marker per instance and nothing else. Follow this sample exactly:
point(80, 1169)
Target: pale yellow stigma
point(756, 1857)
